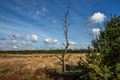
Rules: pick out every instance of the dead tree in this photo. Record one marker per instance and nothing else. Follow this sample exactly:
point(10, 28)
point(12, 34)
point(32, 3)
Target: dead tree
point(65, 29)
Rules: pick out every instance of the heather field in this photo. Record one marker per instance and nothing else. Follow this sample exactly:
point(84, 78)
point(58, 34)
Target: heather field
point(33, 66)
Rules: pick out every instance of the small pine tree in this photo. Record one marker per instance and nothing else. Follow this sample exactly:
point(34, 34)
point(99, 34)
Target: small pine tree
point(103, 61)
point(110, 42)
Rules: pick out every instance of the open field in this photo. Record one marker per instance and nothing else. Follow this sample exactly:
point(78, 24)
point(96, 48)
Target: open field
point(32, 66)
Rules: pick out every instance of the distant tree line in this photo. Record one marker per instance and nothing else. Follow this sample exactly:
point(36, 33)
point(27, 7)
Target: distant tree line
point(58, 51)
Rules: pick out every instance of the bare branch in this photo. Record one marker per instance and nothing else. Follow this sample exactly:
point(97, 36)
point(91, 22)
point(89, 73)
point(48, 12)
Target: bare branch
point(60, 58)
point(65, 30)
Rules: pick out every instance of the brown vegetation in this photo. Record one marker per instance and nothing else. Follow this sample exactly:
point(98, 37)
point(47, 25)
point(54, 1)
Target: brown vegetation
point(32, 66)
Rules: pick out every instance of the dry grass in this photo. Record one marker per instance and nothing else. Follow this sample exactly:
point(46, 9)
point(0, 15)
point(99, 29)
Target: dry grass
point(31, 66)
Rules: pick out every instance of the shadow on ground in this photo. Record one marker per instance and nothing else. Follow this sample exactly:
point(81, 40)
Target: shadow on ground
point(71, 74)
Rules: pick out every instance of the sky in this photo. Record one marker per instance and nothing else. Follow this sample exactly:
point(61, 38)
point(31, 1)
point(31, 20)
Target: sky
point(37, 24)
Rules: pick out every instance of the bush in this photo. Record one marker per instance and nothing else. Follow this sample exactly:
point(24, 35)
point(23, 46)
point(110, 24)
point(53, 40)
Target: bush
point(103, 60)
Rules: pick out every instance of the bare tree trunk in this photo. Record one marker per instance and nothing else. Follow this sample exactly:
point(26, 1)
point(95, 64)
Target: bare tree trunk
point(63, 63)
point(65, 29)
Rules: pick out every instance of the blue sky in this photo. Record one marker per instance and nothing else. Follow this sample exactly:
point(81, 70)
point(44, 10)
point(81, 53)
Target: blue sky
point(37, 24)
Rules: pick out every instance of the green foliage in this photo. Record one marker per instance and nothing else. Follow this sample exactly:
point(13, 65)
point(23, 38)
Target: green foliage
point(95, 69)
point(103, 59)
point(110, 41)
point(100, 72)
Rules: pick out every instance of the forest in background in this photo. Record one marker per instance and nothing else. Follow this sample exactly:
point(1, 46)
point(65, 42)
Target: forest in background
point(44, 51)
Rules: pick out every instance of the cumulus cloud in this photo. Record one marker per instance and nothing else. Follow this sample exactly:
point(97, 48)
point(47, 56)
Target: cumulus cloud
point(97, 17)
point(13, 41)
point(95, 31)
point(14, 44)
point(15, 47)
point(32, 37)
point(50, 41)
point(71, 43)
point(24, 43)
point(18, 36)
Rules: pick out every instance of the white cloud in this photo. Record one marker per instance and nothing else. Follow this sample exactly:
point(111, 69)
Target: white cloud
point(18, 36)
point(95, 31)
point(97, 17)
point(13, 41)
point(14, 46)
point(50, 41)
point(34, 37)
point(24, 44)
point(72, 43)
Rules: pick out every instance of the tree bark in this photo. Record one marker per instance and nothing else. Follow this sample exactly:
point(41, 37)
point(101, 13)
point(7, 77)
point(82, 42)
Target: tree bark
point(65, 28)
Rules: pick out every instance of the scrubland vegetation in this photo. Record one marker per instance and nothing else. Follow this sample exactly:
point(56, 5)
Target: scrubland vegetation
point(101, 62)
point(33, 66)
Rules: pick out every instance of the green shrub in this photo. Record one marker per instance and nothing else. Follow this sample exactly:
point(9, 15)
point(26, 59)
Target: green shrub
point(103, 59)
